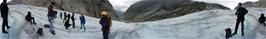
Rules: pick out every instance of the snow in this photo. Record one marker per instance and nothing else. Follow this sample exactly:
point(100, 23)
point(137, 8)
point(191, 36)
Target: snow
point(208, 24)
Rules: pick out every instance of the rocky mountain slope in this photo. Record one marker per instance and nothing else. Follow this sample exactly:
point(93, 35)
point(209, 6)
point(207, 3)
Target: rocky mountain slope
point(151, 10)
point(87, 7)
point(260, 3)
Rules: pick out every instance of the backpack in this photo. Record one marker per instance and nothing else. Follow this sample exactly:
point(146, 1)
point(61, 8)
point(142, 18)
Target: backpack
point(40, 31)
point(110, 22)
point(228, 33)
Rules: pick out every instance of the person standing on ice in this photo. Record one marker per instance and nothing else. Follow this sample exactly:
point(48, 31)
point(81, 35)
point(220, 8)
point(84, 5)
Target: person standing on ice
point(106, 23)
point(241, 12)
point(262, 19)
point(67, 21)
point(61, 14)
point(4, 14)
point(82, 22)
point(29, 18)
point(65, 16)
point(73, 20)
point(51, 17)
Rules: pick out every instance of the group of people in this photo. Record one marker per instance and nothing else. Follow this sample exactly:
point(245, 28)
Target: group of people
point(241, 12)
point(67, 18)
point(105, 20)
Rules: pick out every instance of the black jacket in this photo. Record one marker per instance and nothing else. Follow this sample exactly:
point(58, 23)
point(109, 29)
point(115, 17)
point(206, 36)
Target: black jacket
point(262, 19)
point(241, 12)
point(72, 18)
point(67, 20)
point(4, 10)
point(28, 17)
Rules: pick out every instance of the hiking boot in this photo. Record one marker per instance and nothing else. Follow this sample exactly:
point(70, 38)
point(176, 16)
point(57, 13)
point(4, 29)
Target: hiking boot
point(8, 27)
point(5, 32)
point(234, 33)
point(243, 34)
point(67, 28)
point(73, 27)
point(35, 23)
point(53, 32)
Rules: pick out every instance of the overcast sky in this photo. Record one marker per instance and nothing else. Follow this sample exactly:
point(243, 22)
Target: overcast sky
point(2, 1)
point(122, 5)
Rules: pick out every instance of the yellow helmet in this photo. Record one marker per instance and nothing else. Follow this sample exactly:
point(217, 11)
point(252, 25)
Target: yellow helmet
point(104, 13)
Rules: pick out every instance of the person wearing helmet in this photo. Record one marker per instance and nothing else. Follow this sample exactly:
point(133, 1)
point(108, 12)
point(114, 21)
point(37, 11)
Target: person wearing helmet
point(106, 24)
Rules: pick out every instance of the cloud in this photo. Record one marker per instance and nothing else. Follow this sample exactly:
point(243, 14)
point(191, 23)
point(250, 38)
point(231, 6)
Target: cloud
point(122, 5)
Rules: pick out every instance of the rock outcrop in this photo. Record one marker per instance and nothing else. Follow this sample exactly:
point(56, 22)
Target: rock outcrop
point(87, 7)
point(148, 10)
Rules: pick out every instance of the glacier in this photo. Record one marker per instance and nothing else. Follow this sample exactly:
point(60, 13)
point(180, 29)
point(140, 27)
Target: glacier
point(207, 24)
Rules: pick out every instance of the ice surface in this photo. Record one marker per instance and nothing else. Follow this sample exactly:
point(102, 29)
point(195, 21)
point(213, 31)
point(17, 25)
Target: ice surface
point(208, 24)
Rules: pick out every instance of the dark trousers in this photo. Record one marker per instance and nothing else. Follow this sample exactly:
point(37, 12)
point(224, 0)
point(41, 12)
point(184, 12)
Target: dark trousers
point(5, 24)
point(73, 21)
point(32, 20)
point(105, 34)
point(242, 26)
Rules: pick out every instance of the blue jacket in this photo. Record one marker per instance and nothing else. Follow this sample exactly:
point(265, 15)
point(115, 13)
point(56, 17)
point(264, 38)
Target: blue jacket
point(82, 19)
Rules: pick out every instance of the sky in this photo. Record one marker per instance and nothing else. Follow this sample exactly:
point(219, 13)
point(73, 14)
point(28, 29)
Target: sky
point(2, 1)
point(123, 5)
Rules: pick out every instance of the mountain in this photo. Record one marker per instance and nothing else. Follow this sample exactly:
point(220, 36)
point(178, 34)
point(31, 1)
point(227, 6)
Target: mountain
point(86, 7)
point(260, 3)
point(206, 24)
point(151, 10)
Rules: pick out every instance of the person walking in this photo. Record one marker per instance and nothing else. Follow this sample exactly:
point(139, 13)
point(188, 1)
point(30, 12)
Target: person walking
point(51, 17)
point(4, 14)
